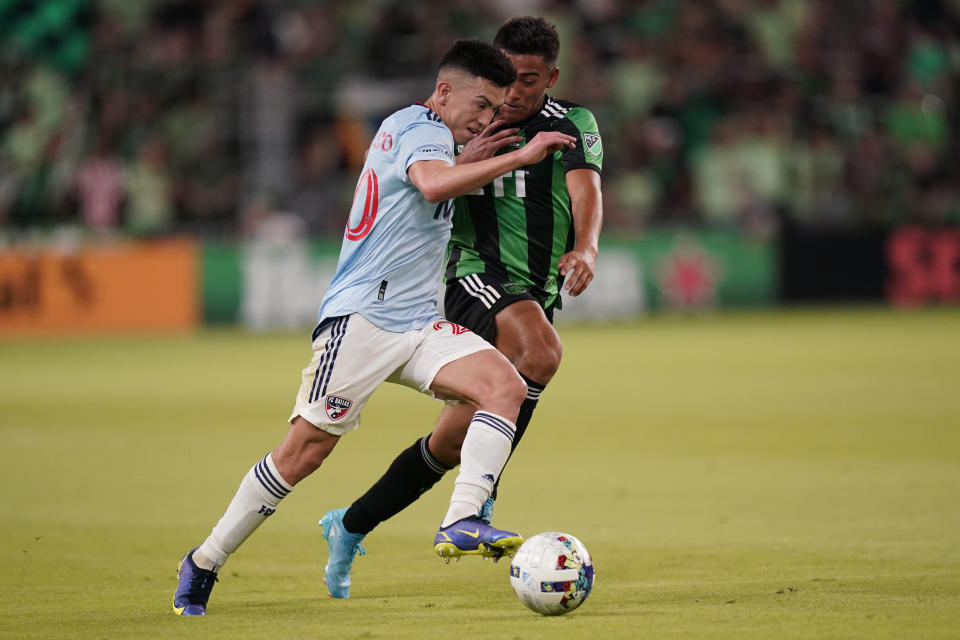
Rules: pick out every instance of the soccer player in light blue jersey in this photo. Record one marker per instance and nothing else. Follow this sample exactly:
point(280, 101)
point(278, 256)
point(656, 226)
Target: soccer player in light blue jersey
point(379, 322)
point(513, 244)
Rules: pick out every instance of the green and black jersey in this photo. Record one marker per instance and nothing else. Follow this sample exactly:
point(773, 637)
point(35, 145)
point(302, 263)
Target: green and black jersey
point(519, 225)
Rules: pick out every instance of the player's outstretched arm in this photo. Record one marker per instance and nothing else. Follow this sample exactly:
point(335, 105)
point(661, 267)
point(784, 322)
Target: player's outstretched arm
point(586, 202)
point(488, 142)
point(438, 181)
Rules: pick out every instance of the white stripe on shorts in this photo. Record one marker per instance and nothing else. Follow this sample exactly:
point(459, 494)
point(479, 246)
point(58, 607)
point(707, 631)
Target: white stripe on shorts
point(475, 287)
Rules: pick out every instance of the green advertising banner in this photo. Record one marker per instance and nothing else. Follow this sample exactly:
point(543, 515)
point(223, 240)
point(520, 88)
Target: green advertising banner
point(683, 270)
point(686, 269)
point(221, 283)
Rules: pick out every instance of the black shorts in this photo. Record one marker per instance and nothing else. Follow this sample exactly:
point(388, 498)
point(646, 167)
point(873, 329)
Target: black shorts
point(474, 301)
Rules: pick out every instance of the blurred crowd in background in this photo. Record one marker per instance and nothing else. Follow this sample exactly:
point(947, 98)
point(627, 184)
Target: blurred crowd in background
point(150, 117)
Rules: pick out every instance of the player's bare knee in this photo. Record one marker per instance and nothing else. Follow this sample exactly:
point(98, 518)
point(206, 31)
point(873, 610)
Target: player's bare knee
point(511, 389)
point(541, 362)
point(501, 393)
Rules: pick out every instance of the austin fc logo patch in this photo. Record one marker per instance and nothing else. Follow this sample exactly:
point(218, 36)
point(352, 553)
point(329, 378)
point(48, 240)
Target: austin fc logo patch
point(337, 407)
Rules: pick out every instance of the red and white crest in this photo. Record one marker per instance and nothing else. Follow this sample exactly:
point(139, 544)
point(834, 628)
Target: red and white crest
point(337, 406)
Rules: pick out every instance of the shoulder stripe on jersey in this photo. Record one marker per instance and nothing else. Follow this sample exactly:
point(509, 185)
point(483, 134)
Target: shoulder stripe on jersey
point(431, 114)
point(551, 108)
point(550, 112)
point(484, 293)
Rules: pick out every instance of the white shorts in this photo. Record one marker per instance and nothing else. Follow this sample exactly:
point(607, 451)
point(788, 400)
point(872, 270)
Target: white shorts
point(352, 357)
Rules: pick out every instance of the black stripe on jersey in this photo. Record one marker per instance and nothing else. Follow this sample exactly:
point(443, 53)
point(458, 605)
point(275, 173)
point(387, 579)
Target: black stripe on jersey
point(452, 262)
point(540, 221)
point(483, 214)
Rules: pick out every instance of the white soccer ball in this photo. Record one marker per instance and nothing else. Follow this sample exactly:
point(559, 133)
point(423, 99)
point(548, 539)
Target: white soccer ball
point(552, 573)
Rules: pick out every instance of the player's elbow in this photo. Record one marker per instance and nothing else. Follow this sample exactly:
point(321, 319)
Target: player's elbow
point(434, 195)
point(432, 180)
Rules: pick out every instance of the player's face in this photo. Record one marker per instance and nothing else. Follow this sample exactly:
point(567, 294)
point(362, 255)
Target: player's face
point(525, 96)
point(470, 105)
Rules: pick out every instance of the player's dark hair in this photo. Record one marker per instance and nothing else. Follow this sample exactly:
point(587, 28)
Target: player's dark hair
point(480, 59)
point(529, 35)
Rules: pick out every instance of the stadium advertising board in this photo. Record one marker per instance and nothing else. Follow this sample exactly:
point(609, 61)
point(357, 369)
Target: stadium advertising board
point(705, 269)
point(127, 286)
point(172, 284)
point(833, 265)
point(923, 266)
point(667, 269)
point(908, 266)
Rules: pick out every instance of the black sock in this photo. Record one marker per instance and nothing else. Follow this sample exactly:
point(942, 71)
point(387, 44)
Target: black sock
point(412, 473)
point(534, 389)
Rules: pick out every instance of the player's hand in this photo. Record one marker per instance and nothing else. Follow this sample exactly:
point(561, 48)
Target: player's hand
point(488, 142)
point(545, 143)
point(577, 269)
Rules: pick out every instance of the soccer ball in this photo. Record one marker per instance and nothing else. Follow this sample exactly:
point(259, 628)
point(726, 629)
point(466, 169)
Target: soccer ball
point(552, 573)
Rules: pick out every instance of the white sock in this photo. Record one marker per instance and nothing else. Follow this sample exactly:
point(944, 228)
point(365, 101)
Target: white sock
point(484, 452)
point(261, 490)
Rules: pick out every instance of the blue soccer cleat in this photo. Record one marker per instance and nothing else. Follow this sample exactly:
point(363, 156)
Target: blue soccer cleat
point(474, 537)
point(343, 547)
point(486, 510)
point(193, 587)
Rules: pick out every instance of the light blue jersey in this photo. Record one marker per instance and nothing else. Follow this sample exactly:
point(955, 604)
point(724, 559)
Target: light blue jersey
point(391, 260)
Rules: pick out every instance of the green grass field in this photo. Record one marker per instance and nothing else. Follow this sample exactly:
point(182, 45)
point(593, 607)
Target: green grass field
point(784, 474)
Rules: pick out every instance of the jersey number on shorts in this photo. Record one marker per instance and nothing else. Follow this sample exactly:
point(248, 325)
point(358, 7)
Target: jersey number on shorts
point(369, 180)
point(455, 329)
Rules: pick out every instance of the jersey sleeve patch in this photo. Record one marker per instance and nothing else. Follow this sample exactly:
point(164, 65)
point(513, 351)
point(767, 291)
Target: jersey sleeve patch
point(427, 141)
point(588, 153)
point(592, 145)
point(431, 152)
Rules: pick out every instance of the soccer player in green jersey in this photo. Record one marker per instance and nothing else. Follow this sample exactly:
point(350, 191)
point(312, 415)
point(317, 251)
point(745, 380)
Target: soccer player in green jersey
point(515, 243)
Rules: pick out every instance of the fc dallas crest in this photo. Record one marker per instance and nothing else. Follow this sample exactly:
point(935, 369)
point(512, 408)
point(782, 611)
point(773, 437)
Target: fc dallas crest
point(337, 406)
